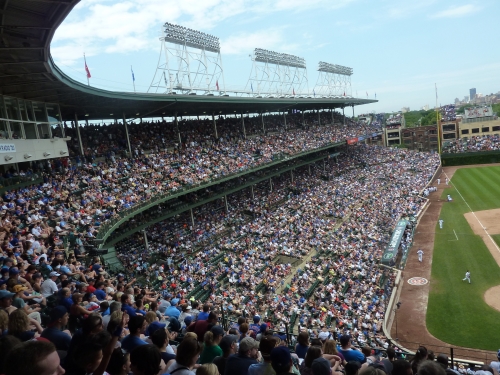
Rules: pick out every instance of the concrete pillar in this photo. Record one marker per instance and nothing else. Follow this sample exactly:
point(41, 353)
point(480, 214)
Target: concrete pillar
point(126, 134)
point(284, 119)
point(353, 111)
point(343, 114)
point(146, 243)
point(78, 134)
point(215, 126)
point(243, 126)
point(262, 119)
point(253, 195)
point(192, 217)
point(271, 184)
point(319, 119)
point(291, 175)
point(332, 116)
point(225, 200)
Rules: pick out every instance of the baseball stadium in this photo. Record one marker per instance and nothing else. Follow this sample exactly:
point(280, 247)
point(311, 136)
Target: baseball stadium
point(197, 229)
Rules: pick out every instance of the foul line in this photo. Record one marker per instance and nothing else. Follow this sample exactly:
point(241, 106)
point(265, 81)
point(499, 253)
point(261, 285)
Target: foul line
point(455, 236)
point(473, 213)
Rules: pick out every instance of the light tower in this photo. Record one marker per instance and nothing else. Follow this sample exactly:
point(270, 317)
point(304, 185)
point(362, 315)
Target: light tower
point(333, 80)
point(190, 62)
point(277, 74)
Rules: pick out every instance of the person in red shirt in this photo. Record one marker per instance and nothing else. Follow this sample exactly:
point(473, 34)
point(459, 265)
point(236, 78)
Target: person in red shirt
point(90, 287)
point(200, 327)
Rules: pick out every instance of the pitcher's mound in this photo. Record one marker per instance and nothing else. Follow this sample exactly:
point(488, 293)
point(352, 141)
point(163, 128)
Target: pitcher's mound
point(492, 297)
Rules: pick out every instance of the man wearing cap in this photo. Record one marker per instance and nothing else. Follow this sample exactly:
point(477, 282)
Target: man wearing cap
point(255, 326)
point(348, 352)
point(281, 360)
point(49, 286)
point(247, 355)
point(496, 364)
point(172, 311)
point(58, 319)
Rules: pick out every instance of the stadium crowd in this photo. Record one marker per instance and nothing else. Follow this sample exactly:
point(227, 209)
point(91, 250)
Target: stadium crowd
point(304, 254)
point(473, 144)
point(448, 112)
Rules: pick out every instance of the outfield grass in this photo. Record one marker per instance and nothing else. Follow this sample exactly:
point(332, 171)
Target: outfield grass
point(456, 312)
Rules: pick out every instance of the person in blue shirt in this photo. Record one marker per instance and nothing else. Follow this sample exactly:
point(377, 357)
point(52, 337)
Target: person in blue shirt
point(137, 325)
point(172, 311)
point(99, 291)
point(204, 314)
point(58, 319)
point(349, 353)
point(125, 299)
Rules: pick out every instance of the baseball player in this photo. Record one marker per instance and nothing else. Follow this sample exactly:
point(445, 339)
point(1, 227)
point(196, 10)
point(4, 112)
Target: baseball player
point(439, 181)
point(467, 276)
point(449, 198)
point(447, 181)
point(441, 221)
point(420, 254)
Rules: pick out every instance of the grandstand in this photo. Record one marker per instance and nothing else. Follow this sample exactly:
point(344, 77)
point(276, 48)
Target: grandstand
point(275, 208)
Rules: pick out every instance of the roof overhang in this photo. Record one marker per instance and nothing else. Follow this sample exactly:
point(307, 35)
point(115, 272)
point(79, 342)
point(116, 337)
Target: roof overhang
point(27, 71)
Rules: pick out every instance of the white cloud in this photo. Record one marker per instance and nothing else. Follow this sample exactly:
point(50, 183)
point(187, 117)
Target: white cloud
point(245, 43)
point(457, 11)
point(114, 26)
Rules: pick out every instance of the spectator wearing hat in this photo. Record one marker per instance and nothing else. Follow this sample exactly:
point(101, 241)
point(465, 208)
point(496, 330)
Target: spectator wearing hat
point(58, 319)
point(281, 360)
point(255, 326)
point(247, 355)
point(348, 352)
point(18, 300)
point(228, 344)
point(266, 345)
point(49, 286)
point(211, 348)
point(186, 311)
point(496, 364)
point(136, 326)
point(172, 311)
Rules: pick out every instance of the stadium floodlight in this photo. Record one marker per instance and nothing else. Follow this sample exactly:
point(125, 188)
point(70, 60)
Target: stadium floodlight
point(191, 38)
point(334, 68)
point(271, 57)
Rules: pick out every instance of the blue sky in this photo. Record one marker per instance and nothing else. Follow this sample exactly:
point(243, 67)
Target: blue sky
point(398, 49)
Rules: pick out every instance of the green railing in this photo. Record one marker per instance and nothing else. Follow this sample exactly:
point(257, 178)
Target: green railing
point(465, 158)
point(108, 227)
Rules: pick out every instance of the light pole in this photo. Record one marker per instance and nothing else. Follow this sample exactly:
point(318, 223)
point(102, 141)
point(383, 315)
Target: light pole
point(398, 305)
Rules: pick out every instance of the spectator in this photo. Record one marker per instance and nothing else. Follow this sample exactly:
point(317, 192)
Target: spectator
point(266, 345)
point(201, 326)
point(211, 348)
point(160, 338)
point(420, 356)
point(302, 344)
point(207, 369)
point(187, 355)
point(33, 357)
point(247, 356)
point(136, 326)
point(19, 326)
point(228, 345)
point(145, 360)
point(58, 319)
point(348, 352)
point(281, 360)
point(426, 367)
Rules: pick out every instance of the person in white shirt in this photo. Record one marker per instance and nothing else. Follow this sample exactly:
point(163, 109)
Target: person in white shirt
point(49, 286)
point(467, 276)
point(420, 254)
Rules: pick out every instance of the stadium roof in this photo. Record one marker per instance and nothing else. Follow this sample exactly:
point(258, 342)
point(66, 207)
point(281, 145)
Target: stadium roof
point(27, 71)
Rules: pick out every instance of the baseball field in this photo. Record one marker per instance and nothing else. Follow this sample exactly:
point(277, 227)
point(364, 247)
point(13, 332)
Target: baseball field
point(460, 313)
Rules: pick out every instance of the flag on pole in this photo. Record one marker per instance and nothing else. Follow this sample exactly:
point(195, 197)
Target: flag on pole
point(86, 67)
point(133, 76)
point(217, 85)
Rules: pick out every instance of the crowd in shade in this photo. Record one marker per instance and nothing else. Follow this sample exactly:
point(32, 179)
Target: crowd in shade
point(472, 144)
point(107, 140)
point(448, 112)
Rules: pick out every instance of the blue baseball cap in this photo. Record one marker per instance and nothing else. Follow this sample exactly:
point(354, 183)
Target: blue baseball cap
point(6, 294)
point(153, 327)
point(175, 301)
